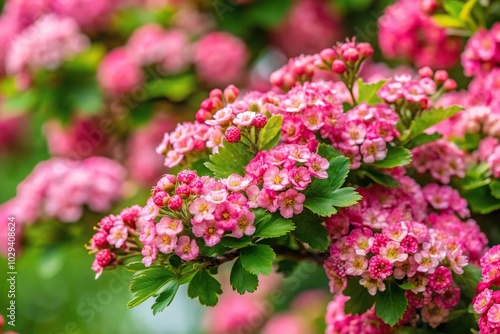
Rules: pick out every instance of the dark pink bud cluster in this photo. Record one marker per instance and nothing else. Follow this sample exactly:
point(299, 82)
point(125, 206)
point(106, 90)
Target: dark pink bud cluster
point(114, 234)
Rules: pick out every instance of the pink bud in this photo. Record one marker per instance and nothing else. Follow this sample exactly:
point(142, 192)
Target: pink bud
point(231, 93)
point(328, 55)
point(207, 104)
point(99, 240)
point(450, 84)
point(183, 191)
point(425, 72)
point(259, 121)
point(104, 257)
point(351, 55)
point(232, 134)
point(428, 6)
point(440, 76)
point(160, 198)
point(277, 78)
point(175, 203)
point(203, 115)
point(365, 50)
point(186, 176)
point(216, 93)
point(217, 103)
point(339, 67)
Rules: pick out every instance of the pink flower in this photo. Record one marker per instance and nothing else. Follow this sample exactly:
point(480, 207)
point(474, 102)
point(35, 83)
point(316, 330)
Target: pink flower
point(118, 73)
point(440, 280)
point(226, 215)
point(149, 253)
point(244, 118)
point(202, 210)
point(300, 177)
point(169, 226)
point(220, 58)
point(482, 301)
point(356, 265)
point(379, 267)
point(117, 235)
point(148, 232)
point(236, 182)
point(393, 252)
point(372, 284)
point(187, 249)
point(267, 200)
point(276, 179)
point(210, 232)
point(290, 203)
point(317, 166)
point(373, 150)
point(426, 262)
point(245, 224)
point(494, 316)
point(166, 243)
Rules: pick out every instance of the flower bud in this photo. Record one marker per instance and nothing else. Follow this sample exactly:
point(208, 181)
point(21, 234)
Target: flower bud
point(440, 76)
point(425, 72)
point(231, 93)
point(175, 203)
point(338, 66)
point(450, 84)
point(232, 134)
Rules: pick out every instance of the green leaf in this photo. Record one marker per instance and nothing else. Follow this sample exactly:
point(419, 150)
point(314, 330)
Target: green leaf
point(200, 167)
point(481, 201)
point(328, 152)
point(344, 197)
point(273, 226)
point(360, 299)
point(205, 287)
point(380, 178)
point(257, 259)
point(422, 139)
point(176, 88)
point(466, 10)
point(407, 286)
point(215, 250)
point(232, 158)
point(135, 266)
point(429, 118)
point(320, 196)
point(368, 92)
point(447, 21)
point(391, 304)
point(165, 297)
point(453, 7)
point(286, 267)
point(270, 134)
point(147, 282)
point(467, 282)
point(235, 243)
point(495, 188)
point(242, 280)
point(266, 14)
point(310, 230)
point(88, 98)
point(396, 156)
point(24, 101)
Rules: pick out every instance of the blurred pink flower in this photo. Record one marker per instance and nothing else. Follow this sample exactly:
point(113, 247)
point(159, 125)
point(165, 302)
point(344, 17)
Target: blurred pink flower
point(220, 59)
point(119, 73)
point(90, 14)
point(47, 43)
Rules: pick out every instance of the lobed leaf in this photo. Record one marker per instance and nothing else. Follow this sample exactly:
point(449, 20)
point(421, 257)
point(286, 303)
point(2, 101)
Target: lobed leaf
point(242, 280)
point(257, 259)
point(270, 134)
point(204, 287)
point(391, 304)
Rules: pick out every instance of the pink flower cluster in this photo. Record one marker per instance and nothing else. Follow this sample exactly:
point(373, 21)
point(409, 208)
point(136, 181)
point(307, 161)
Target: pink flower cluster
point(487, 301)
point(409, 234)
point(482, 52)
point(310, 26)
point(201, 205)
point(61, 189)
point(283, 172)
point(416, 93)
point(220, 59)
point(340, 323)
point(416, 37)
point(45, 44)
point(442, 159)
point(114, 234)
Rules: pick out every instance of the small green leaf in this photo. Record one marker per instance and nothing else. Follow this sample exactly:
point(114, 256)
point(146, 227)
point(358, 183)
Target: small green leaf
point(429, 118)
point(422, 139)
point(175, 88)
point(396, 156)
point(235, 243)
point(391, 304)
point(257, 259)
point(24, 101)
point(135, 266)
point(447, 21)
point(466, 10)
point(328, 152)
point(453, 7)
point(147, 282)
point(270, 134)
point(273, 226)
point(495, 188)
point(368, 92)
point(344, 197)
point(481, 201)
point(467, 282)
point(205, 287)
point(266, 14)
point(241, 280)
point(165, 297)
point(407, 286)
point(310, 230)
point(380, 178)
point(360, 299)
point(232, 158)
